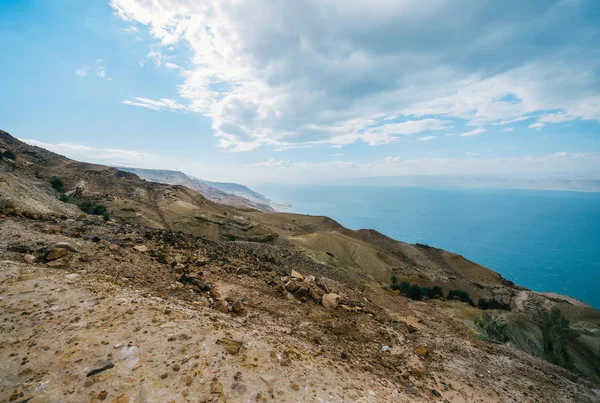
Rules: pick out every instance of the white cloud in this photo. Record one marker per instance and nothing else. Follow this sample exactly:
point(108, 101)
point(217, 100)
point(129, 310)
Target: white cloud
point(170, 65)
point(87, 153)
point(537, 125)
point(473, 164)
point(82, 72)
point(473, 132)
point(162, 104)
point(508, 129)
point(326, 72)
point(131, 28)
point(427, 138)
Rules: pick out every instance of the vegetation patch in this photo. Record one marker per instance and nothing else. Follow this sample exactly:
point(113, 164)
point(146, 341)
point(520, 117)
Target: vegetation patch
point(556, 335)
point(9, 155)
point(416, 292)
point(84, 205)
point(493, 327)
point(492, 303)
point(460, 295)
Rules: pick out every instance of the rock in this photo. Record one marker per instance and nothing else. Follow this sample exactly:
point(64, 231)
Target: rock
point(216, 387)
point(296, 276)
point(239, 308)
point(412, 391)
point(309, 279)
point(167, 310)
point(179, 268)
point(295, 386)
point(103, 395)
point(330, 301)
point(176, 367)
point(222, 306)
point(231, 346)
point(64, 245)
point(113, 247)
point(421, 351)
point(344, 355)
point(57, 263)
point(436, 393)
point(73, 277)
point(100, 366)
point(56, 254)
point(29, 259)
point(141, 248)
point(385, 348)
point(168, 325)
point(164, 375)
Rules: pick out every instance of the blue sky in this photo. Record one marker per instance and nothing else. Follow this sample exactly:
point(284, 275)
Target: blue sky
point(307, 91)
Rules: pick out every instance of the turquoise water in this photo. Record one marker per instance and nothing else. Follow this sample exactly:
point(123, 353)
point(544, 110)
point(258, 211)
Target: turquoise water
point(542, 240)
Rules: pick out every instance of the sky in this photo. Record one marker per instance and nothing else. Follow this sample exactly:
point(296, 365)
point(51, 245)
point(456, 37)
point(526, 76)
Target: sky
point(307, 91)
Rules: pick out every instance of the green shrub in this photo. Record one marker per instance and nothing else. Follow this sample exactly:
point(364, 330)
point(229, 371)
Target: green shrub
point(417, 292)
point(86, 206)
point(556, 335)
point(57, 184)
point(106, 216)
point(460, 295)
point(394, 279)
point(493, 327)
point(9, 155)
point(434, 292)
point(491, 303)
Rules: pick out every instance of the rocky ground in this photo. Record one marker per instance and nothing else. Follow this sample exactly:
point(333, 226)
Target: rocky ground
point(94, 311)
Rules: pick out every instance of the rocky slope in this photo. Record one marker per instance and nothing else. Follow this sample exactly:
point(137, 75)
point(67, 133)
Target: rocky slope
point(231, 194)
point(182, 299)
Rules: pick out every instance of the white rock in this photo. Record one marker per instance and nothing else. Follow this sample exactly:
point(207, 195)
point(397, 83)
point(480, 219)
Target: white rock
point(385, 348)
point(330, 301)
point(73, 277)
point(296, 276)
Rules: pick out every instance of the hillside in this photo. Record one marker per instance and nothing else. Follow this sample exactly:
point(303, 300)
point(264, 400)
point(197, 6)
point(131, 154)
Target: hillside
point(231, 194)
point(183, 299)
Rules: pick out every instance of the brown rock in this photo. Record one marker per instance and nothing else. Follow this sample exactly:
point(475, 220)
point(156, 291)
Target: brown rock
point(421, 351)
point(56, 253)
point(216, 387)
point(103, 395)
point(239, 308)
point(231, 346)
point(57, 263)
point(330, 301)
point(29, 259)
point(141, 248)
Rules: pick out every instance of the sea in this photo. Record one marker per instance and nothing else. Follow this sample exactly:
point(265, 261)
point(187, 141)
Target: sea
point(544, 240)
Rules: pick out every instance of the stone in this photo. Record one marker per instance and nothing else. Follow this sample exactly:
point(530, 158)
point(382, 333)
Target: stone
point(295, 386)
point(421, 351)
point(176, 367)
point(65, 245)
point(436, 393)
point(56, 254)
point(222, 306)
point(100, 366)
point(231, 346)
point(18, 248)
point(72, 277)
point(113, 247)
point(29, 259)
point(309, 279)
point(216, 387)
point(239, 308)
point(164, 375)
point(330, 301)
point(296, 276)
point(103, 395)
point(385, 348)
point(57, 263)
point(179, 268)
point(141, 248)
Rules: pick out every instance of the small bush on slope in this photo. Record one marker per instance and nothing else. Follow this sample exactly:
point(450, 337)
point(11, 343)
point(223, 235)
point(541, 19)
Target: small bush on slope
point(493, 327)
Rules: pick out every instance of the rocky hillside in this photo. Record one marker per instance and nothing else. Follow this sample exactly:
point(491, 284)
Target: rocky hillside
point(172, 297)
point(231, 194)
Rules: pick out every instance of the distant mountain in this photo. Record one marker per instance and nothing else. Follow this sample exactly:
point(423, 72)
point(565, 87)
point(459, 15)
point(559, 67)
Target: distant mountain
point(576, 183)
point(232, 194)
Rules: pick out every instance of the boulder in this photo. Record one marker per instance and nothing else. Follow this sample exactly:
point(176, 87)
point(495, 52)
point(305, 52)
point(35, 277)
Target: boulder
point(56, 253)
point(330, 301)
point(296, 276)
point(231, 346)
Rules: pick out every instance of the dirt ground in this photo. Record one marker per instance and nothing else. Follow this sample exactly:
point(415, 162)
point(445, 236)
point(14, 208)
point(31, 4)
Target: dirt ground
point(113, 304)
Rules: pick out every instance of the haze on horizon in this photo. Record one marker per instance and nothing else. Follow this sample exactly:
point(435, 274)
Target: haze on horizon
point(308, 91)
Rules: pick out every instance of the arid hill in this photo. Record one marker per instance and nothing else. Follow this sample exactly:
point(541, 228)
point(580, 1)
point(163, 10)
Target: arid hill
point(172, 297)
